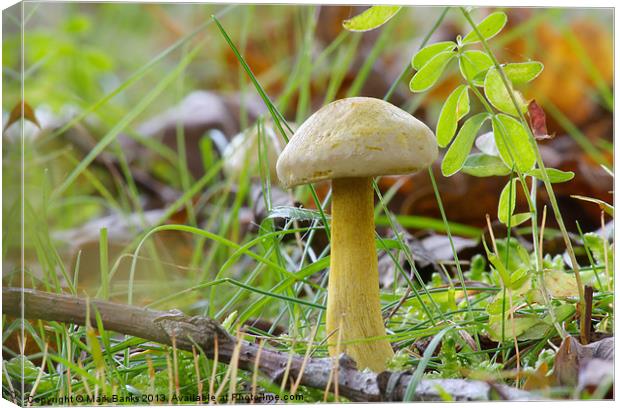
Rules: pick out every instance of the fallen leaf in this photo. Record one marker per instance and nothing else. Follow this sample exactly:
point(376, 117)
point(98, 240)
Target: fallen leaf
point(596, 373)
point(16, 114)
point(538, 121)
point(572, 357)
point(538, 379)
point(559, 285)
point(441, 248)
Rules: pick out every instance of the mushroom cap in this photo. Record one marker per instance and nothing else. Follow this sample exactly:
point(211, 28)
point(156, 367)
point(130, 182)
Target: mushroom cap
point(243, 151)
point(356, 137)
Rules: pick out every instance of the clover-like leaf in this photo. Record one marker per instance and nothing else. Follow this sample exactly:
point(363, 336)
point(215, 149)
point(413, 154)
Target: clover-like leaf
point(484, 165)
point(523, 72)
point(428, 52)
point(428, 75)
point(496, 92)
point(371, 18)
point(507, 201)
point(453, 110)
point(457, 153)
point(555, 175)
point(488, 28)
point(472, 63)
point(520, 218)
point(513, 143)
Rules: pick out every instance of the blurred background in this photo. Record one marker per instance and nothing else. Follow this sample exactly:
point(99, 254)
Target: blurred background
point(133, 106)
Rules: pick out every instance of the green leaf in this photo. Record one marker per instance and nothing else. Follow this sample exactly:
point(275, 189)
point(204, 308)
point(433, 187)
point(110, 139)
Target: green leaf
point(512, 327)
point(454, 109)
point(499, 96)
point(596, 244)
point(372, 18)
point(227, 324)
point(488, 28)
point(523, 72)
point(95, 348)
point(483, 165)
point(15, 365)
point(472, 63)
point(457, 153)
point(539, 330)
point(527, 327)
point(519, 277)
point(608, 208)
point(555, 175)
point(463, 106)
point(512, 253)
point(512, 142)
point(507, 201)
point(428, 52)
point(500, 267)
point(430, 72)
point(519, 219)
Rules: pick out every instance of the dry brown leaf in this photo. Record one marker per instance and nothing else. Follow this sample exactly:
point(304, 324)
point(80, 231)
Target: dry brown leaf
point(572, 357)
point(538, 380)
point(538, 121)
point(16, 114)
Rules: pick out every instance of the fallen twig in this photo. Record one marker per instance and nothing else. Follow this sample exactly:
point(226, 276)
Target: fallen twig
point(163, 326)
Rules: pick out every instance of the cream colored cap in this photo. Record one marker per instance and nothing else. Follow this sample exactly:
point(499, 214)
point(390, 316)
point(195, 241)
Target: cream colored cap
point(356, 137)
point(243, 151)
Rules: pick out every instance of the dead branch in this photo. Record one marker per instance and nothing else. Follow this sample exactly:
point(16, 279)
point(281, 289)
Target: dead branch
point(162, 326)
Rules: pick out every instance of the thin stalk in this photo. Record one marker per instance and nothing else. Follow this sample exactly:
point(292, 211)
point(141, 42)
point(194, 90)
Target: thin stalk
point(103, 263)
point(589, 254)
point(408, 256)
point(303, 102)
point(456, 257)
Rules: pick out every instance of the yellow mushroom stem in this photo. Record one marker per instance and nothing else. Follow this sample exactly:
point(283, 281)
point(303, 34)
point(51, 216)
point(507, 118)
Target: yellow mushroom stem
point(353, 303)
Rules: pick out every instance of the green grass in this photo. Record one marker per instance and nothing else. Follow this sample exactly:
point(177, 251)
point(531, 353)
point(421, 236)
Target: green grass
point(200, 254)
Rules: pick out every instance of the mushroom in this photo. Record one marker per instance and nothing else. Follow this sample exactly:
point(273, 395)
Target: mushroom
point(243, 151)
point(350, 141)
